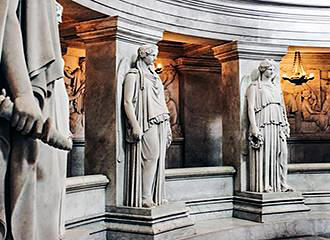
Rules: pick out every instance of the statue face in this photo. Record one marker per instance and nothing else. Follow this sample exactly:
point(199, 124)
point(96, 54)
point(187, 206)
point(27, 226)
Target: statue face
point(150, 58)
point(269, 73)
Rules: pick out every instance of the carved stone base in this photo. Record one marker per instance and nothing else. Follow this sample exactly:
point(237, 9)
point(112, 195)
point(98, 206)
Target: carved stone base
point(170, 221)
point(267, 207)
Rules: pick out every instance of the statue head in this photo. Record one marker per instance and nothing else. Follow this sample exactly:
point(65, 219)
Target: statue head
point(148, 53)
point(267, 68)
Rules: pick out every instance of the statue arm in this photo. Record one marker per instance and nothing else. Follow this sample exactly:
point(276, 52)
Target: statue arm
point(26, 111)
point(250, 95)
point(129, 89)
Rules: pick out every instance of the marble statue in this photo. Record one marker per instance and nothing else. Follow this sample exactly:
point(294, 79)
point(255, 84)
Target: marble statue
point(32, 183)
point(148, 132)
point(267, 131)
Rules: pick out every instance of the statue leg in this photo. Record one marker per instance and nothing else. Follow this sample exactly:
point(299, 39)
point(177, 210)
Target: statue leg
point(150, 155)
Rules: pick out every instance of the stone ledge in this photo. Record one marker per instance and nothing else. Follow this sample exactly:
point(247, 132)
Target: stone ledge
point(309, 167)
point(313, 224)
point(85, 220)
point(197, 172)
point(85, 183)
point(211, 208)
point(318, 200)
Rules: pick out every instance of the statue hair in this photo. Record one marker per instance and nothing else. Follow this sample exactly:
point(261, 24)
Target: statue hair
point(263, 66)
point(144, 51)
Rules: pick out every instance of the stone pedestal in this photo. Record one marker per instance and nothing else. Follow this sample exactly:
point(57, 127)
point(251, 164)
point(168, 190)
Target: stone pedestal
point(76, 158)
point(170, 221)
point(267, 207)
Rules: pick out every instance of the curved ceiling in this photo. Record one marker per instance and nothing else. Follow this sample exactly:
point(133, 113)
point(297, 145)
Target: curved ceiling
point(282, 22)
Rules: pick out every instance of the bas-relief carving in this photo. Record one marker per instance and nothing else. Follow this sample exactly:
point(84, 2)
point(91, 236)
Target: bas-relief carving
point(32, 66)
point(148, 132)
point(307, 106)
point(75, 81)
point(169, 78)
point(265, 130)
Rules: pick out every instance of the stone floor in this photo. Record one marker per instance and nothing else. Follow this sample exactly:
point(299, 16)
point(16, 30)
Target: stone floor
point(305, 238)
point(312, 227)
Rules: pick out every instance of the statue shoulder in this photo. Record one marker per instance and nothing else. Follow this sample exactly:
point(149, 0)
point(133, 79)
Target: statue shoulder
point(251, 89)
point(252, 86)
point(133, 73)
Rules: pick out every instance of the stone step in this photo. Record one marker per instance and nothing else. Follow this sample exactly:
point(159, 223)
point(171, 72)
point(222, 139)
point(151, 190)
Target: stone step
point(314, 226)
point(76, 234)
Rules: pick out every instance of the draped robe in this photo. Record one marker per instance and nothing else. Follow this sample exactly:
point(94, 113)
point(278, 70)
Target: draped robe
point(268, 164)
point(151, 112)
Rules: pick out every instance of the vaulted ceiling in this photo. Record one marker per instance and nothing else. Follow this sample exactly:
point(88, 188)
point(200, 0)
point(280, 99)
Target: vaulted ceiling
point(73, 12)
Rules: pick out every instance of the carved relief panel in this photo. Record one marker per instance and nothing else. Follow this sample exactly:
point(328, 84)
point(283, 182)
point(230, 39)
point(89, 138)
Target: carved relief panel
point(308, 104)
point(75, 80)
point(169, 76)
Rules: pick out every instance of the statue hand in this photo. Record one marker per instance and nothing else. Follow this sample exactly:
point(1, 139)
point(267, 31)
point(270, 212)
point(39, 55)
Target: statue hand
point(137, 133)
point(255, 131)
point(287, 131)
point(27, 115)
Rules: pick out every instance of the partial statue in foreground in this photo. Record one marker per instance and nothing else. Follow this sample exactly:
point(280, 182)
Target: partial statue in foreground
point(267, 129)
point(148, 132)
point(33, 105)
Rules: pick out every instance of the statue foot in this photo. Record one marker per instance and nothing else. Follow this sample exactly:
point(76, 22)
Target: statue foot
point(268, 189)
point(147, 203)
point(287, 189)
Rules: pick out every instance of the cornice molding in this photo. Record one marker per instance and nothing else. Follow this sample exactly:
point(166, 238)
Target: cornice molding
point(249, 50)
point(117, 28)
point(194, 64)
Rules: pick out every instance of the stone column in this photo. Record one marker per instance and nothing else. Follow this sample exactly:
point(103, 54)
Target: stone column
point(200, 113)
point(111, 46)
point(237, 60)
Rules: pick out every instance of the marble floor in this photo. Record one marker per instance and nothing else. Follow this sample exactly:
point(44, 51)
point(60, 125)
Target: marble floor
point(313, 226)
point(306, 238)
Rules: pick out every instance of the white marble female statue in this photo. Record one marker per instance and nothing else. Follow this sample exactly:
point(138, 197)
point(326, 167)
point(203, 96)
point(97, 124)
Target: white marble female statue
point(267, 132)
point(148, 132)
